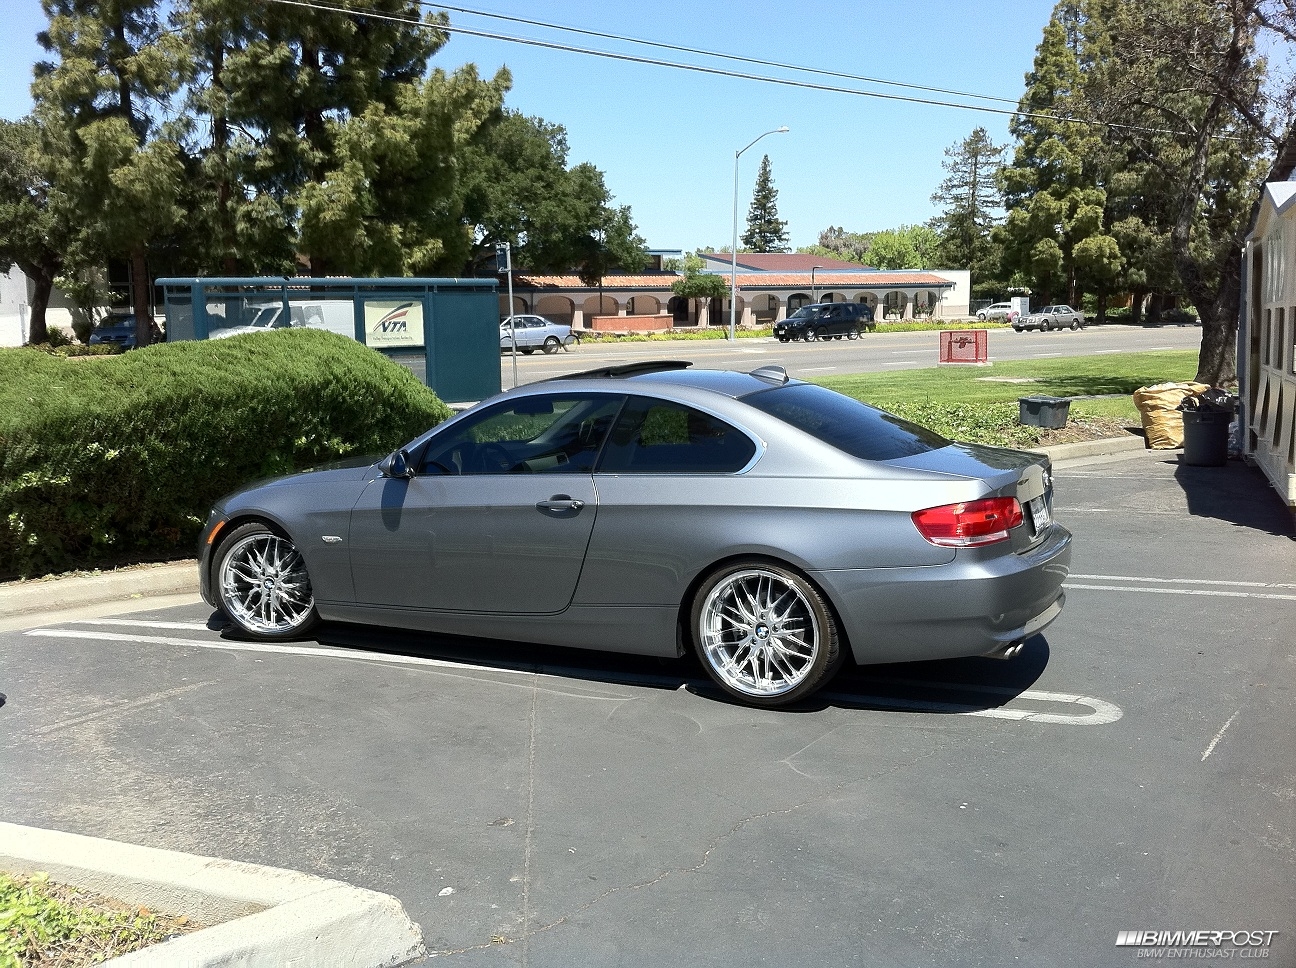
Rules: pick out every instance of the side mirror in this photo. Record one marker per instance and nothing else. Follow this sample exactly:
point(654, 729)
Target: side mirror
point(396, 464)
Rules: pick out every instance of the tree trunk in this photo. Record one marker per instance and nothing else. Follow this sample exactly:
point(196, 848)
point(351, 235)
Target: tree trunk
point(1217, 359)
point(1136, 305)
point(1101, 316)
point(140, 296)
point(42, 285)
point(1156, 304)
point(224, 191)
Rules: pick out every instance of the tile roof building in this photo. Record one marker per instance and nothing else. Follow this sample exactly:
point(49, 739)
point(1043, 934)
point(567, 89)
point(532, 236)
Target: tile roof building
point(770, 287)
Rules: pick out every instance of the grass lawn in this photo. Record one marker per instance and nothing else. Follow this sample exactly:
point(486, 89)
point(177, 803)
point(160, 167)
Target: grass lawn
point(979, 403)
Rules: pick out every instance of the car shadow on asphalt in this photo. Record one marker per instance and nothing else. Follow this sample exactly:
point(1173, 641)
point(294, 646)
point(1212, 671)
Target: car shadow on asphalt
point(939, 687)
point(1236, 493)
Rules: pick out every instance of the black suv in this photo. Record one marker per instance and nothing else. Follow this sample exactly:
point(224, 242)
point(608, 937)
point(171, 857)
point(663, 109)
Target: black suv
point(825, 321)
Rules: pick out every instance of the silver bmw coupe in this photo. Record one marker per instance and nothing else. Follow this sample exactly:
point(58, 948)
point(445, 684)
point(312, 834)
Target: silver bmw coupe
point(773, 526)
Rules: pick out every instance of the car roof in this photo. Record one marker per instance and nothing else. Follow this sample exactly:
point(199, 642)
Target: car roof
point(676, 373)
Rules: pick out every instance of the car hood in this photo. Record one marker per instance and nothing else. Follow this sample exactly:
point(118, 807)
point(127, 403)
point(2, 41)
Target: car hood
point(356, 469)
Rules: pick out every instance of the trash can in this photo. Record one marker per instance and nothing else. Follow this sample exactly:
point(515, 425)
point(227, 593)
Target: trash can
point(1047, 412)
point(1206, 436)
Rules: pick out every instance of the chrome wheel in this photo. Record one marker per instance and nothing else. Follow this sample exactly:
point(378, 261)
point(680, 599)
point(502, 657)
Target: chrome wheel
point(263, 584)
point(763, 633)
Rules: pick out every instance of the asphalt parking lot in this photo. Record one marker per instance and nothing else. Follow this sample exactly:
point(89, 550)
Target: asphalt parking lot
point(1132, 770)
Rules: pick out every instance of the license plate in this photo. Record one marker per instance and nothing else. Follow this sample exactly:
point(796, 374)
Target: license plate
point(1040, 513)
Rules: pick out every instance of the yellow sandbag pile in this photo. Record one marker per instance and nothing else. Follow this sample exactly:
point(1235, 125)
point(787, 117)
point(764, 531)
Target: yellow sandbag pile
point(1158, 408)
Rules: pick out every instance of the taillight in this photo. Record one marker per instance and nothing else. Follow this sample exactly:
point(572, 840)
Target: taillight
point(969, 524)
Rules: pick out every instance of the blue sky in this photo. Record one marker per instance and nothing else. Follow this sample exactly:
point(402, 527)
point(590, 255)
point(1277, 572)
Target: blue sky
point(666, 138)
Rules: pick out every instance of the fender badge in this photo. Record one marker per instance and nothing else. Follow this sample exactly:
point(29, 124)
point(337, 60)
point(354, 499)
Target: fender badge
point(331, 539)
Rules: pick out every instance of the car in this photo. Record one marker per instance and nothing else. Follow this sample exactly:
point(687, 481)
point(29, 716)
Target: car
point(1004, 311)
point(534, 332)
point(825, 321)
point(774, 527)
point(118, 329)
point(1051, 317)
point(263, 319)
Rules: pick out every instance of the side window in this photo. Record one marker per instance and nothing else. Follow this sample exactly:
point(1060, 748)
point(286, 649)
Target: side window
point(550, 434)
point(660, 437)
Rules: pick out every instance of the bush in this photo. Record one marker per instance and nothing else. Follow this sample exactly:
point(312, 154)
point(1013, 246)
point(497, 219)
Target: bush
point(111, 459)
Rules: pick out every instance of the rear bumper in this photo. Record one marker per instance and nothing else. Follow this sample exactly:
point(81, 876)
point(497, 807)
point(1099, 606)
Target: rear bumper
point(968, 607)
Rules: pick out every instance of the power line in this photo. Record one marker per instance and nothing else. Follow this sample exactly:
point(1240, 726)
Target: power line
point(734, 75)
point(711, 53)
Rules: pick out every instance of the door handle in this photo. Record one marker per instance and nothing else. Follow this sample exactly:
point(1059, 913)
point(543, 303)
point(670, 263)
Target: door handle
point(560, 502)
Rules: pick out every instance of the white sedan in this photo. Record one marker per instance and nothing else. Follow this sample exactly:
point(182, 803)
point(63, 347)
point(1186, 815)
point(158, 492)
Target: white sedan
point(534, 332)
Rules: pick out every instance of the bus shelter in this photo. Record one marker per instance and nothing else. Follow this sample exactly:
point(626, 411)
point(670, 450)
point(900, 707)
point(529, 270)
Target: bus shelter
point(445, 331)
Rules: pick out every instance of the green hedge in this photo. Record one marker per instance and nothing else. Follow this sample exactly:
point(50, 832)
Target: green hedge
point(106, 460)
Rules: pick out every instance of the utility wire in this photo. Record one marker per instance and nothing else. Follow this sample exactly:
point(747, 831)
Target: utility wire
point(711, 53)
point(721, 72)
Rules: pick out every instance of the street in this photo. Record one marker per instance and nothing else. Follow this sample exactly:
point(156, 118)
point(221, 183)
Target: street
point(872, 353)
point(1131, 769)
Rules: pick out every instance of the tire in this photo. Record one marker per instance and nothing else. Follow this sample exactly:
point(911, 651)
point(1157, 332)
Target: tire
point(853, 334)
point(551, 344)
point(261, 583)
point(1018, 329)
point(981, 316)
point(763, 633)
point(810, 335)
point(1075, 324)
point(1045, 327)
point(526, 350)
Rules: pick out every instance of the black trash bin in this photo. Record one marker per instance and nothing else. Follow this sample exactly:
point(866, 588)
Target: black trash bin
point(1206, 436)
point(1048, 412)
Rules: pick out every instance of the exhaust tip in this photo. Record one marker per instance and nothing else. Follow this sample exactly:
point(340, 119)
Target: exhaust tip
point(1007, 651)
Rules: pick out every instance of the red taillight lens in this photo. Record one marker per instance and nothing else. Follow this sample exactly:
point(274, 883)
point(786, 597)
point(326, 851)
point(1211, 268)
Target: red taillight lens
point(969, 524)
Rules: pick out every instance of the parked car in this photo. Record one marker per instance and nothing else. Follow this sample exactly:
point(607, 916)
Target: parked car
point(535, 332)
point(773, 526)
point(119, 329)
point(1051, 317)
point(998, 311)
point(825, 321)
point(263, 319)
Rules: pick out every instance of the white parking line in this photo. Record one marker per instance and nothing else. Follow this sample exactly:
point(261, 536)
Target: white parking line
point(1187, 581)
point(1042, 356)
point(1100, 711)
point(1218, 736)
point(902, 363)
point(1207, 593)
point(191, 626)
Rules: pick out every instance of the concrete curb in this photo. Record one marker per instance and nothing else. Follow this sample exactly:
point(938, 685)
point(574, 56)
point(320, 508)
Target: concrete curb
point(46, 595)
point(268, 916)
point(1091, 448)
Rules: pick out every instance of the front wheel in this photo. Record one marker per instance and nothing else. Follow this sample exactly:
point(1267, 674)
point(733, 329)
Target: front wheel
point(811, 336)
point(262, 583)
point(764, 634)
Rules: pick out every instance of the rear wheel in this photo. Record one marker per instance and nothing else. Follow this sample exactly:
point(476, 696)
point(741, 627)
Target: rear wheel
point(551, 344)
point(262, 584)
point(853, 334)
point(1075, 324)
point(764, 633)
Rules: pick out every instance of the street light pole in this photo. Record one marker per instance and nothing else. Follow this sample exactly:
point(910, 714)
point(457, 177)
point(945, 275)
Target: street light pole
point(733, 268)
point(504, 250)
point(814, 291)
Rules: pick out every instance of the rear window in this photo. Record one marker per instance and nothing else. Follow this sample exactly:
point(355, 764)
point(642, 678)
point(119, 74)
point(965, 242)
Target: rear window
point(850, 426)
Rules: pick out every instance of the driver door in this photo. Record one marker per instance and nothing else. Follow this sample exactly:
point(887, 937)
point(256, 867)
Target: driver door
point(497, 517)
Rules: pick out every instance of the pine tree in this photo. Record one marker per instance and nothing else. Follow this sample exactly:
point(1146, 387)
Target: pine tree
point(114, 66)
point(1054, 187)
point(766, 232)
point(970, 198)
